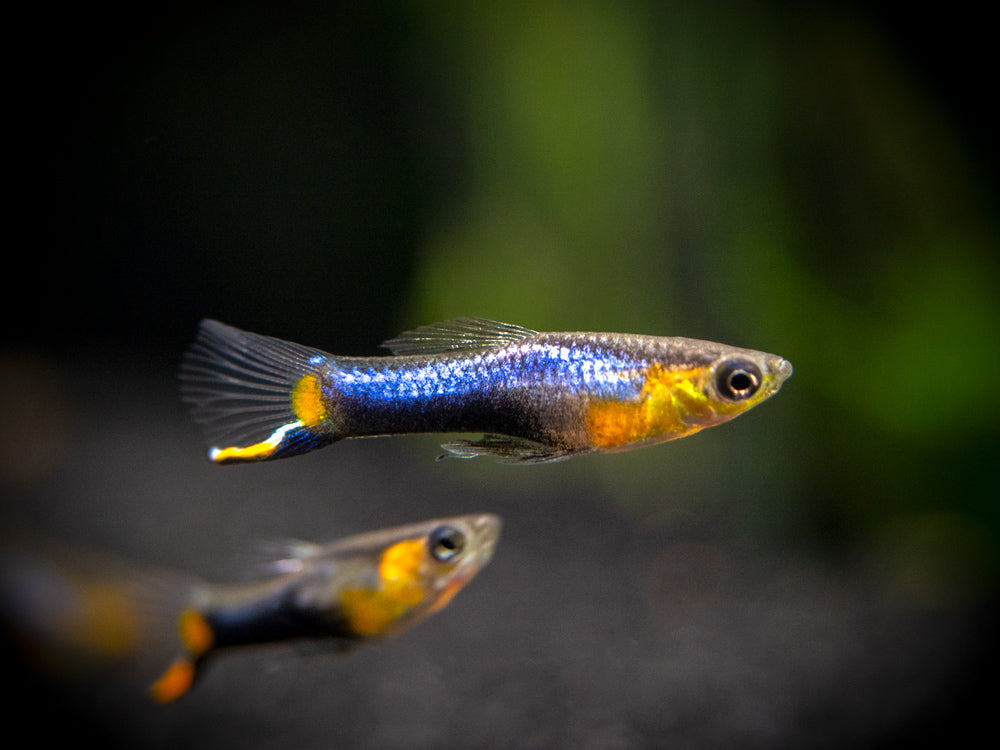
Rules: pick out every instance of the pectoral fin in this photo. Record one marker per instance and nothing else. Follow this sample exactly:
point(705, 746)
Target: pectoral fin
point(507, 449)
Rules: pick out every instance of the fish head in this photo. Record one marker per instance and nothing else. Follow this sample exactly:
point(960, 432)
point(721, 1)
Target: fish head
point(735, 381)
point(419, 570)
point(743, 379)
point(704, 384)
point(456, 550)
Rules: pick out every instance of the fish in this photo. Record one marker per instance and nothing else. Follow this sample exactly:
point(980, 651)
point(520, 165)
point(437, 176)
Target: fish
point(361, 588)
point(535, 397)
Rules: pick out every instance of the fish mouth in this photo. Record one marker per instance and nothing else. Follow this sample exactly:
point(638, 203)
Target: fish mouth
point(486, 530)
point(781, 370)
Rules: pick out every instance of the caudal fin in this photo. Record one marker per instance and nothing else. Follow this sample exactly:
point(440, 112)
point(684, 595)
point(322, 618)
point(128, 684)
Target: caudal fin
point(257, 397)
point(90, 617)
point(197, 639)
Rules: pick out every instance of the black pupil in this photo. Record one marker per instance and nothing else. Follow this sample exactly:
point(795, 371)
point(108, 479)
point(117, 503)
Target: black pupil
point(446, 542)
point(740, 381)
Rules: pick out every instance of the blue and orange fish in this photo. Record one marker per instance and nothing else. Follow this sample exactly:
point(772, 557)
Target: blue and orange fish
point(89, 613)
point(536, 397)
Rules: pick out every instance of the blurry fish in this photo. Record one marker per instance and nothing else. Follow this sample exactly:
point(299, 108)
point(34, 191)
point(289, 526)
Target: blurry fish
point(538, 397)
point(68, 611)
point(372, 585)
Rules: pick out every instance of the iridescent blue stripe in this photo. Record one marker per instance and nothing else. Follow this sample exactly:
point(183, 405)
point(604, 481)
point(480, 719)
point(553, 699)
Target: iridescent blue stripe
point(585, 369)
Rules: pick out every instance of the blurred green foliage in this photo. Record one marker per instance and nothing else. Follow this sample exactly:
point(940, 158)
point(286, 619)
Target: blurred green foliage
point(777, 181)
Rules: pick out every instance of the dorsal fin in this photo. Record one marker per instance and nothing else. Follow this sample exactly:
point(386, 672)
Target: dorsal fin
point(460, 334)
point(276, 556)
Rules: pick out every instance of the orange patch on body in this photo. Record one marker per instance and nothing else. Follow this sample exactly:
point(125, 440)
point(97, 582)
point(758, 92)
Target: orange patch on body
point(371, 611)
point(307, 401)
point(666, 398)
point(196, 634)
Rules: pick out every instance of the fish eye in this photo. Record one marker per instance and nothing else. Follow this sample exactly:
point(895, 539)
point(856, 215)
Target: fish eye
point(445, 543)
point(738, 380)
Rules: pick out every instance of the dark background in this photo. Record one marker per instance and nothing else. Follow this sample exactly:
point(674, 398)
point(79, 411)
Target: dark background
point(819, 182)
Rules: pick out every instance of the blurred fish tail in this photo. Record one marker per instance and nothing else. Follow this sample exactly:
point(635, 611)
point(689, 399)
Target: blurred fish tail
point(196, 640)
point(77, 614)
